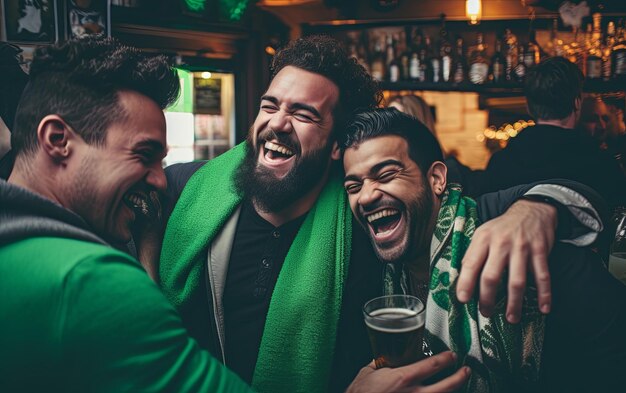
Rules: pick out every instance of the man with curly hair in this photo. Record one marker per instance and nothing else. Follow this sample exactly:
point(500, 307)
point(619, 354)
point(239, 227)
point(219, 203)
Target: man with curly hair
point(78, 315)
point(260, 254)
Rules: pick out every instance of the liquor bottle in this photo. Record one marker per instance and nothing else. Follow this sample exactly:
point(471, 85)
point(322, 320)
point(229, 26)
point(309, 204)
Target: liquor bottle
point(377, 64)
point(433, 69)
point(479, 66)
point(415, 65)
point(553, 48)
point(607, 52)
point(460, 65)
point(594, 51)
point(393, 72)
point(405, 57)
point(498, 63)
point(619, 54)
point(390, 50)
point(510, 43)
point(532, 52)
point(520, 68)
point(445, 53)
point(422, 54)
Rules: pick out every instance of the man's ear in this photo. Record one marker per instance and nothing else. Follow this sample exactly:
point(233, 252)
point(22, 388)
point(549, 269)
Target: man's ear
point(437, 174)
point(336, 152)
point(55, 136)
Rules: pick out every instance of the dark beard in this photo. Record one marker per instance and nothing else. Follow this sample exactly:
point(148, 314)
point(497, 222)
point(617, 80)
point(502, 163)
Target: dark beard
point(260, 185)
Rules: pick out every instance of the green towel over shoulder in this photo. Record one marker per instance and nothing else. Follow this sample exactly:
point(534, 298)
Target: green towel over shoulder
point(298, 342)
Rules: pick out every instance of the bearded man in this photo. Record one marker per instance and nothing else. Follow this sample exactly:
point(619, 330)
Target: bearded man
point(421, 227)
point(260, 255)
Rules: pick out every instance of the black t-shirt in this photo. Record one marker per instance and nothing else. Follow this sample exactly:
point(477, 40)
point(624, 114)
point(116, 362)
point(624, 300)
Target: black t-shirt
point(259, 250)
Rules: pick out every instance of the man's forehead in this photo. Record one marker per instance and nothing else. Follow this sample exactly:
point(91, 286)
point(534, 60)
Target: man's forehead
point(370, 153)
point(297, 84)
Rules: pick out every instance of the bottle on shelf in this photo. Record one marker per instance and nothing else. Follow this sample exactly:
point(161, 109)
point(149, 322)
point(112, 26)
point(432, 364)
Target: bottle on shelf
point(498, 64)
point(479, 66)
point(554, 47)
point(377, 64)
point(593, 63)
point(405, 56)
point(433, 62)
point(445, 52)
point(607, 52)
point(459, 64)
point(532, 51)
point(520, 68)
point(510, 44)
point(619, 54)
point(390, 50)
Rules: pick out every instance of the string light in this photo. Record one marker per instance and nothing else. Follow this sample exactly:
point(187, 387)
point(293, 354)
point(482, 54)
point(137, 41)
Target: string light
point(504, 133)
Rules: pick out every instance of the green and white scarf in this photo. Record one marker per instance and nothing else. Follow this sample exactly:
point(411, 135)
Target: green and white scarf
point(503, 357)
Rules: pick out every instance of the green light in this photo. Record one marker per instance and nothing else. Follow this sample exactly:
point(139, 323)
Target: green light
point(234, 9)
point(195, 5)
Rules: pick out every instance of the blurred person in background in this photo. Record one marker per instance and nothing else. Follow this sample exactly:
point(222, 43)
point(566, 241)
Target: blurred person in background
point(12, 82)
point(553, 148)
point(415, 106)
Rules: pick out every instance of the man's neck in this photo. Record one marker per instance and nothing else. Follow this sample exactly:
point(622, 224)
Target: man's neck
point(296, 209)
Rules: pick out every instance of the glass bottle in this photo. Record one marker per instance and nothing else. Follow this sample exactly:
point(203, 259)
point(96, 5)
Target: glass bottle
point(433, 69)
point(479, 66)
point(445, 53)
point(594, 50)
point(460, 65)
point(498, 63)
point(377, 64)
point(619, 54)
point(510, 41)
point(520, 68)
point(607, 52)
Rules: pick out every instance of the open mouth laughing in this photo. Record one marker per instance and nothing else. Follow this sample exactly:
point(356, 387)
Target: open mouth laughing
point(144, 205)
point(382, 223)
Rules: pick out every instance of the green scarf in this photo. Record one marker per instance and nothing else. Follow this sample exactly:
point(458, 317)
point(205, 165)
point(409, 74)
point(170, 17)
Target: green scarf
point(503, 357)
point(298, 341)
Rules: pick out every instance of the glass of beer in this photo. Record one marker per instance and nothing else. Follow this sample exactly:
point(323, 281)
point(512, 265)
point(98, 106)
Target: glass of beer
point(395, 324)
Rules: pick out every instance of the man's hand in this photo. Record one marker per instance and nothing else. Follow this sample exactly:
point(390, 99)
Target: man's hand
point(409, 378)
point(147, 232)
point(520, 239)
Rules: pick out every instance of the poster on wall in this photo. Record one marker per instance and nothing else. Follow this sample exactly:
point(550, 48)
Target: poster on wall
point(208, 96)
point(88, 17)
point(30, 21)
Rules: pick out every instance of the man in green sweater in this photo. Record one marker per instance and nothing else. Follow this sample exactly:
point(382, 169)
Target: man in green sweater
point(77, 315)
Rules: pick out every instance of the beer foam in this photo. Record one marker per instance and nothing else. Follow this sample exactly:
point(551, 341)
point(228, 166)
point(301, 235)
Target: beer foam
point(395, 320)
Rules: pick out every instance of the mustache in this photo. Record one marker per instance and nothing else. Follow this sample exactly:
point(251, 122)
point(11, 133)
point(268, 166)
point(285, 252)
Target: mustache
point(284, 139)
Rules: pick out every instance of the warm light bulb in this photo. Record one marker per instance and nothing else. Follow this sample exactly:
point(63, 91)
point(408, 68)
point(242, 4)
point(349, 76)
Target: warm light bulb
point(473, 10)
point(206, 75)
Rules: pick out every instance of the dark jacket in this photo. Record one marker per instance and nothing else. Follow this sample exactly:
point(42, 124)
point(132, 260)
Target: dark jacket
point(547, 152)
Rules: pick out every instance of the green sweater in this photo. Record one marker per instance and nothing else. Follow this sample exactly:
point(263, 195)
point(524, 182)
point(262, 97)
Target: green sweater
point(79, 316)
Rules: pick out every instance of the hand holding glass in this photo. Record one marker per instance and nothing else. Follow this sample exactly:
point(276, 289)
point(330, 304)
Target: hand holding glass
point(396, 328)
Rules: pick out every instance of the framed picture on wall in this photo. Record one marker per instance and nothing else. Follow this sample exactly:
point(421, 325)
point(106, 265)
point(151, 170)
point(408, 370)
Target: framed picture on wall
point(30, 21)
point(85, 17)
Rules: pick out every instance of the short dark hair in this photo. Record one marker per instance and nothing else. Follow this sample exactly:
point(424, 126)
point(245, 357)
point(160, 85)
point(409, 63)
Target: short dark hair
point(552, 88)
point(424, 149)
point(80, 79)
point(325, 56)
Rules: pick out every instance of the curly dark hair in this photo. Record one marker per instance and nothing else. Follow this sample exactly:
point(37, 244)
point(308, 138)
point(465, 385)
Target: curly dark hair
point(552, 88)
point(325, 56)
point(79, 80)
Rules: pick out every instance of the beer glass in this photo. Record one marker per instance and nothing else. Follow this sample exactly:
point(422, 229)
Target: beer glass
point(395, 324)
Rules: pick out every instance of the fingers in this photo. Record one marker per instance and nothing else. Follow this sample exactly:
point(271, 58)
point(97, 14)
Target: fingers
point(471, 266)
point(517, 284)
point(542, 280)
point(428, 367)
point(449, 384)
point(489, 281)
